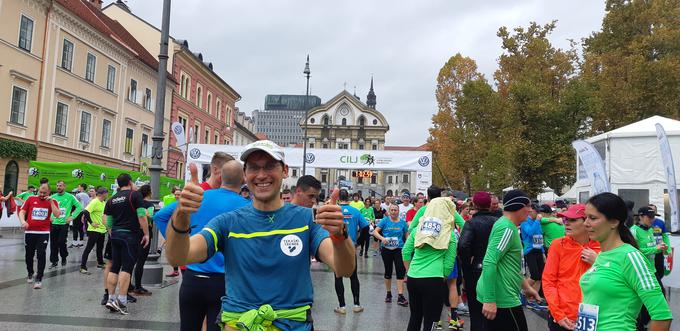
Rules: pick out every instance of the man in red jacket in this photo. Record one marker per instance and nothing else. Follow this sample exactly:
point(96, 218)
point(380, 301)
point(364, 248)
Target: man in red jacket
point(35, 219)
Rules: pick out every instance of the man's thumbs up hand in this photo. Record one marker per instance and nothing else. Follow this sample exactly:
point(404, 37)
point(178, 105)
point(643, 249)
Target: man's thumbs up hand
point(192, 195)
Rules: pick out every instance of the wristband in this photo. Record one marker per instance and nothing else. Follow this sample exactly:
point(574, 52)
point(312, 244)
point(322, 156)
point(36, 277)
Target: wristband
point(341, 237)
point(172, 223)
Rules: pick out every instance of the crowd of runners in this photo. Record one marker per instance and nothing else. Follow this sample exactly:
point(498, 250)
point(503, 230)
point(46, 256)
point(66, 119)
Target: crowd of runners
point(245, 249)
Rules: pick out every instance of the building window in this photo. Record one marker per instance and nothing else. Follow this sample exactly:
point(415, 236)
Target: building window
point(219, 110)
point(145, 145)
point(325, 145)
point(62, 117)
point(11, 177)
point(405, 179)
point(217, 138)
point(199, 96)
point(90, 67)
point(206, 138)
point(209, 102)
point(375, 147)
point(26, 33)
point(294, 172)
point(129, 136)
point(373, 179)
point(311, 145)
point(85, 121)
point(106, 133)
point(343, 146)
point(132, 96)
point(389, 179)
point(344, 121)
point(182, 86)
point(180, 170)
point(147, 99)
point(375, 122)
point(325, 120)
point(67, 55)
point(111, 78)
point(311, 120)
point(196, 129)
point(361, 146)
point(362, 121)
point(183, 121)
point(18, 112)
point(324, 178)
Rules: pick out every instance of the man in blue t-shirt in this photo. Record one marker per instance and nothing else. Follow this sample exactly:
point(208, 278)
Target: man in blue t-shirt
point(355, 222)
point(267, 246)
point(532, 240)
point(202, 289)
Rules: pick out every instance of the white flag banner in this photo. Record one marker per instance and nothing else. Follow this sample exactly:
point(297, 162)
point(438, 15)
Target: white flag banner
point(593, 165)
point(669, 170)
point(178, 130)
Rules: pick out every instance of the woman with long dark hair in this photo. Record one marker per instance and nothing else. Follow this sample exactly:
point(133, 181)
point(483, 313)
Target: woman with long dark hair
point(620, 281)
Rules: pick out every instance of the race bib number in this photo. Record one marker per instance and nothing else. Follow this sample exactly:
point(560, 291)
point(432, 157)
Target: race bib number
point(587, 317)
point(392, 242)
point(63, 212)
point(432, 226)
point(538, 241)
point(39, 214)
point(658, 238)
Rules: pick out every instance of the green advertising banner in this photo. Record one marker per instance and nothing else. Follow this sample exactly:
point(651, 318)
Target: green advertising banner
point(93, 175)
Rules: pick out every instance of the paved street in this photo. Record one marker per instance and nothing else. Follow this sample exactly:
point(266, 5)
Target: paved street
point(70, 300)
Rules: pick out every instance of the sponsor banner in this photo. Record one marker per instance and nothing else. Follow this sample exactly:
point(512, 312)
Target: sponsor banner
point(75, 173)
point(423, 181)
point(419, 161)
point(593, 166)
point(669, 171)
point(178, 131)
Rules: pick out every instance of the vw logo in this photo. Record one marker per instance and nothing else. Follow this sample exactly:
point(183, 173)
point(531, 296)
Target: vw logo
point(309, 158)
point(195, 153)
point(424, 161)
point(178, 130)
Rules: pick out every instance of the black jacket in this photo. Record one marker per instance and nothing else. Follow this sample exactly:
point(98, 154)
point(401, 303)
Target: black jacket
point(474, 239)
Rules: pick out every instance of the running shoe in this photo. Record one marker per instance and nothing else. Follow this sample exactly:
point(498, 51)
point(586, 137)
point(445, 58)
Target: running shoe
point(29, 279)
point(172, 274)
point(53, 265)
point(361, 253)
point(456, 324)
point(141, 291)
point(110, 304)
point(105, 299)
point(101, 265)
point(71, 245)
point(131, 299)
point(63, 263)
point(388, 297)
point(401, 300)
point(462, 309)
point(37, 285)
point(120, 307)
point(340, 310)
point(357, 309)
point(84, 271)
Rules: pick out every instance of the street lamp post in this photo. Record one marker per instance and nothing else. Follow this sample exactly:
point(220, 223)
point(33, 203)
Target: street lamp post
point(153, 271)
point(307, 72)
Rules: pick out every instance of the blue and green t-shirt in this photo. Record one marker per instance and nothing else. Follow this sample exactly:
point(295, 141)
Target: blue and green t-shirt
point(354, 220)
point(266, 258)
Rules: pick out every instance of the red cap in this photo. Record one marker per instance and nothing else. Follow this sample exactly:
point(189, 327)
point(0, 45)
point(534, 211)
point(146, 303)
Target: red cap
point(574, 212)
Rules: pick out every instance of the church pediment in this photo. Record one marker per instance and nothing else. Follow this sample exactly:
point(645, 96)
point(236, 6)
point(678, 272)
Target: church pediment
point(345, 110)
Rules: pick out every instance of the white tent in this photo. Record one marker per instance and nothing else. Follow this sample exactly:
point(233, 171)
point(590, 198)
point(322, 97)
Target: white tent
point(633, 163)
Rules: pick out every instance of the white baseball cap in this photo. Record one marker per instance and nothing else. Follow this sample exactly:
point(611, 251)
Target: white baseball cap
point(267, 146)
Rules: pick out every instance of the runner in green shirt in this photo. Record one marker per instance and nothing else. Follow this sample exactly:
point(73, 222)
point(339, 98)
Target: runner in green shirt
point(620, 282)
point(644, 236)
point(96, 229)
point(499, 285)
point(552, 227)
point(31, 192)
point(59, 229)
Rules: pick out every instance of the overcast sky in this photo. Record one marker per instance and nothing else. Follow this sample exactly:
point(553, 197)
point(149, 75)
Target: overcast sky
point(259, 47)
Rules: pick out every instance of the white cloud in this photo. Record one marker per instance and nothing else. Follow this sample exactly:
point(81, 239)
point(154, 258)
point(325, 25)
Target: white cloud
point(259, 47)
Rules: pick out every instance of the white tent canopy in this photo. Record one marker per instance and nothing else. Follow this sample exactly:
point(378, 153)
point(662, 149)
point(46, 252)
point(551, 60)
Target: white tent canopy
point(633, 162)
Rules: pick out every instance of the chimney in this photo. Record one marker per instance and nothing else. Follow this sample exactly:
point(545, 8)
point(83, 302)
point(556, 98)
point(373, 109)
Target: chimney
point(96, 3)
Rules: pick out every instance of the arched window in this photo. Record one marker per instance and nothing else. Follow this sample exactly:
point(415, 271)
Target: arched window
point(199, 95)
point(182, 86)
point(219, 110)
point(11, 177)
point(325, 120)
point(344, 121)
point(187, 88)
point(209, 102)
point(362, 121)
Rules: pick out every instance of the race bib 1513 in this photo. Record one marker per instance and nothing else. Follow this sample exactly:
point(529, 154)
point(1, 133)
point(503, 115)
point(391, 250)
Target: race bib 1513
point(587, 317)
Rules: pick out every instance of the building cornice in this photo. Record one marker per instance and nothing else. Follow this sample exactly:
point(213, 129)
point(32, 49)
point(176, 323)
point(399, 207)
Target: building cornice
point(196, 63)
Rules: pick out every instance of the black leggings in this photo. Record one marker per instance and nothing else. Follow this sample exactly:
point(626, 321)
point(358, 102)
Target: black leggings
point(340, 288)
point(364, 240)
point(93, 238)
point(36, 242)
point(392, 257)
point(77, 227)
point(477, 320)
point(508, 319)
point(200, 296)
point(142, 255)
point(426, 298)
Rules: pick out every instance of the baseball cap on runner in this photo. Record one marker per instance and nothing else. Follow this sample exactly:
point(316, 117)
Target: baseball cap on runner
point(267, 146)
point(574, 212)
point(647, 211)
